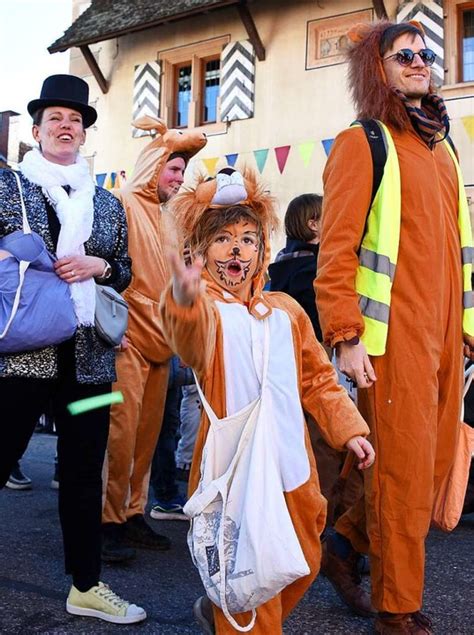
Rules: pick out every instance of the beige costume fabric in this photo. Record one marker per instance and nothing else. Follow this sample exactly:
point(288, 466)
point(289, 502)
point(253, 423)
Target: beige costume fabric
point(142, 369)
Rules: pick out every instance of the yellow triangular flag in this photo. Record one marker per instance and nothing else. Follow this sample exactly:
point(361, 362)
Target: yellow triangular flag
point(306, 150)
point(211, 165)
point(469, 125)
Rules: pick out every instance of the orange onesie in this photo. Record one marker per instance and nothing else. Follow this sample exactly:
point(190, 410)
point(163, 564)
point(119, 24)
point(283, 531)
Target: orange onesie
point(413, 408)
point(142, 369)
point(198, 335)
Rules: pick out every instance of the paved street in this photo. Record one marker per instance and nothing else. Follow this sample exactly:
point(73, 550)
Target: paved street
point(33, 588)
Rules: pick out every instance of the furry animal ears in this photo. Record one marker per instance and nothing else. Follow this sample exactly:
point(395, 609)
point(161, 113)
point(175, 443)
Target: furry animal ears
point(360, 31)
point(185, 142)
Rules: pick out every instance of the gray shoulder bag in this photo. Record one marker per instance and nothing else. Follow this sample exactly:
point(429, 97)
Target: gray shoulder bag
point(111, 315)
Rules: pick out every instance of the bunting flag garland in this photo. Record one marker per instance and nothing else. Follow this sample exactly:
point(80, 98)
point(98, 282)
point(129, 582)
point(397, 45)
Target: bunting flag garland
point(306, 151)
point(110, 181)
point(282, 153)
point(211, 165)
point(469, 125)
point(231, 159)
point(261, 158)
point(327, 145)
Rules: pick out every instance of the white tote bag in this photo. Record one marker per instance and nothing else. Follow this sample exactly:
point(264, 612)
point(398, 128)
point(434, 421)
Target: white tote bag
point(242, 538)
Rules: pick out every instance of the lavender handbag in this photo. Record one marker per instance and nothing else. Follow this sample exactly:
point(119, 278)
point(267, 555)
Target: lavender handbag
point(36, 308)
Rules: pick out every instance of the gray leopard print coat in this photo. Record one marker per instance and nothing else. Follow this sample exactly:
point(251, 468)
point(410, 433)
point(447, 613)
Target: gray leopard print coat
point(95, 362)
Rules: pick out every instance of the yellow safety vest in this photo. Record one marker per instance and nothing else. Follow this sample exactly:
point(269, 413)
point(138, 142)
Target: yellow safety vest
point(379, 252)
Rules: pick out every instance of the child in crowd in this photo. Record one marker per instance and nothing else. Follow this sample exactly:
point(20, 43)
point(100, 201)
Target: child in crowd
point(294, 269)
point(219, 330)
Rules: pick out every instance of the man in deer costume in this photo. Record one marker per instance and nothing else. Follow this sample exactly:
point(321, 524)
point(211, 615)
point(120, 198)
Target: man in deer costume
point(395, 300)
point(142, 366)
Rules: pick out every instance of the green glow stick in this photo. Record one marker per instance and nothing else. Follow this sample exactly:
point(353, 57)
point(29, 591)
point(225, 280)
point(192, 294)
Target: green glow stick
point(91, 403)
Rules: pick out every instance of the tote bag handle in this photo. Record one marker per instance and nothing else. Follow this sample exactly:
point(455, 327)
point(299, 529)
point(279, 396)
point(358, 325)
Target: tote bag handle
point(266, 355)
point(23, 265)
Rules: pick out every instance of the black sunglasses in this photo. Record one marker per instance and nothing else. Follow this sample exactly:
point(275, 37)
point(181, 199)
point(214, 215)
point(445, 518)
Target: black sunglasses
point(405, 56)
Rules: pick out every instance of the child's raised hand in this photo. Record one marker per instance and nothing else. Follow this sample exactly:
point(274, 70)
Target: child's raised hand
point(186, 280)
point(363, 450)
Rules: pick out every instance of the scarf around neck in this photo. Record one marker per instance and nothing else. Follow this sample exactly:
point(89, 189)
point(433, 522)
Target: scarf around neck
point(75, 212)
point(431, 120)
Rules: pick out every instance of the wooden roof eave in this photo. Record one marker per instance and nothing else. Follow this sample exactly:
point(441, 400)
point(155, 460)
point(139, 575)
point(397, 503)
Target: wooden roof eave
point(84, 44)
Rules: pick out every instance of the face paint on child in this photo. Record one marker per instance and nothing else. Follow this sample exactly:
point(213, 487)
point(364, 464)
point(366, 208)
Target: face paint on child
point(233, 256)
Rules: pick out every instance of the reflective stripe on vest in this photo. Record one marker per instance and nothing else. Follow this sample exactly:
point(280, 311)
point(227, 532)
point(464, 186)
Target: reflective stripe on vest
point(465, 234)
point(379, 252)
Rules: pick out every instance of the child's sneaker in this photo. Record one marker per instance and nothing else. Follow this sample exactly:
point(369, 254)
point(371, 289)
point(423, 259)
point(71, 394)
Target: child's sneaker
point(169, 510)
point(100, 601)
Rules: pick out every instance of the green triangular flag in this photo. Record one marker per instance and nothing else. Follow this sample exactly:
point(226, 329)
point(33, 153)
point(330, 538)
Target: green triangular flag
point(260, 158)
point(306, 150)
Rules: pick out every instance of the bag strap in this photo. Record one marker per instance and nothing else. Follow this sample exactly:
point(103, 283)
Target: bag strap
point(26, 225)
point(246, 434)
point(378, 150)
point(266, 356)
point(22, 267)
point(23, 264)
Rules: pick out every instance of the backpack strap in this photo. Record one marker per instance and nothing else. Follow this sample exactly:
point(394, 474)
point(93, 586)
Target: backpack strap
point(451, 143)
point(378, 150)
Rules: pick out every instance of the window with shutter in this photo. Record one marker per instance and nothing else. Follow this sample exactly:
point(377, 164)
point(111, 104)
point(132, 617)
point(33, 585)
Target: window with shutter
point(191, 85)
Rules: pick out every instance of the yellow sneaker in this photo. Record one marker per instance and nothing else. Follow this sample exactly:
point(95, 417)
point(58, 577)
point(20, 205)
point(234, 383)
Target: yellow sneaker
point(100, 601)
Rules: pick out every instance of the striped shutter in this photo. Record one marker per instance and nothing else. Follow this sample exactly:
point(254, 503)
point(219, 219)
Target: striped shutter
point(146, 93)
point(430, 14)
point(238, 81)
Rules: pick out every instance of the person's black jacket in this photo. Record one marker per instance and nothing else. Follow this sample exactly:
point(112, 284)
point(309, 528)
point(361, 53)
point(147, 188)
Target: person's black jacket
point(293, 272)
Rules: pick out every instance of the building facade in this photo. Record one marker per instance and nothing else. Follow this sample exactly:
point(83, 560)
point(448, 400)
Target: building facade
point(265, 79)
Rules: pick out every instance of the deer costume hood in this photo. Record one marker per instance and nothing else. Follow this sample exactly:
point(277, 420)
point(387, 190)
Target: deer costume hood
point(148, 225)
point(210, 196)
point(373, 97)
point(157, 153)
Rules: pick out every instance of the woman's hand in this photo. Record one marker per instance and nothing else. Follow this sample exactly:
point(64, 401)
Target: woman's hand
point(123, 345)
point(79, 268)
point(363, 450)
point(186, 280)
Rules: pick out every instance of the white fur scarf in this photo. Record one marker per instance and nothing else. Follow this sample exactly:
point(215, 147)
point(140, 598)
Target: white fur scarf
point(75, 212)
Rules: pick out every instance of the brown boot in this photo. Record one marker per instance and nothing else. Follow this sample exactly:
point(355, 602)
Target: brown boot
point(204, 615)
point(344, 576)
point(403, 624)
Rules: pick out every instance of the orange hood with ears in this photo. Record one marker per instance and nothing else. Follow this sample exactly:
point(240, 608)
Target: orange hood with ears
point(154, 156)
point(227, 189)
point(373, 97)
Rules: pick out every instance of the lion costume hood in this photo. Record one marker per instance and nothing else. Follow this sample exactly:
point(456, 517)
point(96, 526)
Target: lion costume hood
point(373, 97)
point(228, 189)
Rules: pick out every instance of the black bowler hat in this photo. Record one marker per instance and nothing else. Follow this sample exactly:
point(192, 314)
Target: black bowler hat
point(68, 91)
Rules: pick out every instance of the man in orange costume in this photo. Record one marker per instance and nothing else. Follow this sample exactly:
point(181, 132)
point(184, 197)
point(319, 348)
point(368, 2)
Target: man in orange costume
point(410, 396)
point(142, 367)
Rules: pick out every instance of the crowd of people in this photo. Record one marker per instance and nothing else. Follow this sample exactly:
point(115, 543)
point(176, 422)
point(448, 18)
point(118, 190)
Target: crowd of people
point(234, 370)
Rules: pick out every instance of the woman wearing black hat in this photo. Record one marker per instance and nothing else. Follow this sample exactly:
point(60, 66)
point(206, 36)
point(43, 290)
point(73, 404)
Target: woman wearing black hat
point(85, 227)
